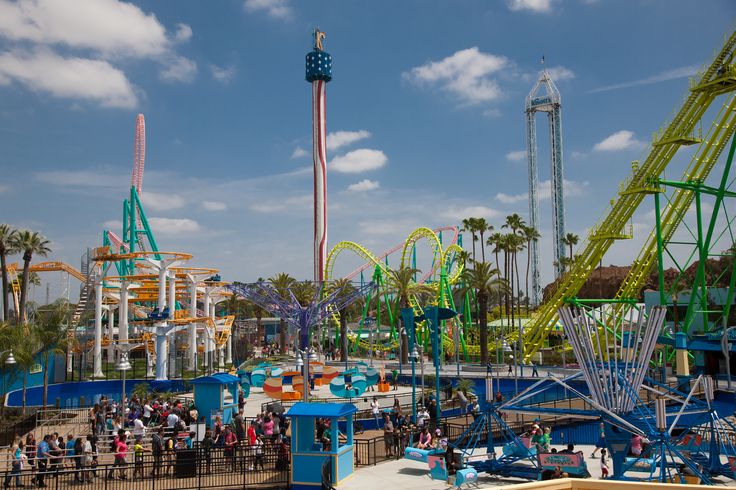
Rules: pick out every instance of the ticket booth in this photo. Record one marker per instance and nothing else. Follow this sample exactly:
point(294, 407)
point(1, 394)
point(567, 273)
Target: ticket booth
point(216, 394)
point(312, 460)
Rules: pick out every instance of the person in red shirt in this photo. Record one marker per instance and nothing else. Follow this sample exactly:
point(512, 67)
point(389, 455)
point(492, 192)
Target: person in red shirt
point(252, 433)
point(230, 442)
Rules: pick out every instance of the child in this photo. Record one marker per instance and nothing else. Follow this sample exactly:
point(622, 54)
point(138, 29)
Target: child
point(604, 464)
point(138, 451)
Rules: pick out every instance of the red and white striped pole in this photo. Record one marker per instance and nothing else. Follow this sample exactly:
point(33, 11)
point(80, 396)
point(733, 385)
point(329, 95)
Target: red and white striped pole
point(319, 157)
point(318, 73)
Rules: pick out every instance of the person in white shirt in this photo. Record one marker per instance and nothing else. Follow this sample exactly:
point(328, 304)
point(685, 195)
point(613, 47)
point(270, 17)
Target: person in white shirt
point(422, 416)
point(376, 410)
point(147, 411)
point(139, 429)
point(171, 420)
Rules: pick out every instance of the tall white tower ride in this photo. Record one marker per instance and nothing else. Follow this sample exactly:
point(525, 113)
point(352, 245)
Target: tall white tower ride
point(545, 97)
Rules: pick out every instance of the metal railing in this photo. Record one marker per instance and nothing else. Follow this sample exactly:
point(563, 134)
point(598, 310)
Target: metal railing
point(244, 467)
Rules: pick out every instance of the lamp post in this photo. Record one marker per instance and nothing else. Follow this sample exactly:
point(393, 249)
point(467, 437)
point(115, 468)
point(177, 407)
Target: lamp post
point(725, 348)
point(124, 366)
point(9, 361)
point(414, 356)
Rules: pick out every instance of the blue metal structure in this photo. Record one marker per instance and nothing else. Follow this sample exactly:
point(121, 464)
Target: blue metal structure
point(545, 97)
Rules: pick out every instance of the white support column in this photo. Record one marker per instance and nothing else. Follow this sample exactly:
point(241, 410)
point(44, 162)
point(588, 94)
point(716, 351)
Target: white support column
point(162, 354)
point(111, 333)
point(172, 294)
point(97, 352)
point(208, 347)
point(192, 329)
point(229, 348)
point(161, 288)
point(123, 313)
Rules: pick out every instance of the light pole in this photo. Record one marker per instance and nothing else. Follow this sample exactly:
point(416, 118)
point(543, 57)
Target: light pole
point(9, 361)
point(725, 348)
point(414, 356)
point(124, 366)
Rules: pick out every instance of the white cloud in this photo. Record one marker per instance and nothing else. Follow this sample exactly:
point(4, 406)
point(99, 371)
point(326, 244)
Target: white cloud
point(76, 78)
point(464, 74)
point(544, 191)
point(338, 139)
point(458, 213)
point(174, 226)
point(511, 198)
point(682, 72)
point(214, 205)
point(516, 156)
point(578, 154)
point(537, 6)
point(299, 152)
point(560, 73)
point(178, 69)
point(224, 74)
point(113, 225)
point(357, 161)
point(162, 202)
point(364, 185)
point(620, 140)
point(294, 203)
point(277, 9)
point(106, 26)
point(183, 33)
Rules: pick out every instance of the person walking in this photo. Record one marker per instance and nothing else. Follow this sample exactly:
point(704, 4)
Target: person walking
point(43, 455)
point(87, 459)
point(16, 465)
point(535, 373)
point(601, 442)
point(604, 464)
point(157, 450)
point(388, 436)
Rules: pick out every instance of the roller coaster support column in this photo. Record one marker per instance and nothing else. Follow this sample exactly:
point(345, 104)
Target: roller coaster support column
point(208, 335)
point(434, 316)
point(161, 288)
point(192, 328)
point(97, 351)
point(162, 351)
point(110, 333)
point(229, 349)
point(172, 294)
point(407, 318)
point(123, 312)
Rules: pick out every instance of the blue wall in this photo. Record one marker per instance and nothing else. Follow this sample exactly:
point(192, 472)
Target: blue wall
point(57, 365)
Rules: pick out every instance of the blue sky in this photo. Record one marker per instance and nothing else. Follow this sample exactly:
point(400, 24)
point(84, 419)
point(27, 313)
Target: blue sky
point(426, 105)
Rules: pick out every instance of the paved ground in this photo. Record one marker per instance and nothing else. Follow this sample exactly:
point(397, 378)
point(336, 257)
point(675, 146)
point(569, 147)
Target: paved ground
point(413, 475)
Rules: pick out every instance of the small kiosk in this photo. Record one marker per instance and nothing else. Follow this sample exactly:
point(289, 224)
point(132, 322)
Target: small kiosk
point(313, 461)
point(216, 394)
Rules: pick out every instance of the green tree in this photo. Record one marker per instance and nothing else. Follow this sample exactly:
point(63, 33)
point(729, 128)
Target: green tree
point(346, 288)
point(530, 234)
point(7, 239)
point(485, 280)
point(51, 337)
point(30, 243)
point(469, 226)
point(19, 339)
point(401, 284)
point(570, 239)
point(282, 283)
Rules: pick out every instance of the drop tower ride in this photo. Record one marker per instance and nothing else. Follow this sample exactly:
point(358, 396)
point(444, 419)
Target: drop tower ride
point(318, 73)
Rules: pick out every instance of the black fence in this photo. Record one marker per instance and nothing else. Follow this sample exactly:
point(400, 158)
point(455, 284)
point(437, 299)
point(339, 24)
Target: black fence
point(244, 467)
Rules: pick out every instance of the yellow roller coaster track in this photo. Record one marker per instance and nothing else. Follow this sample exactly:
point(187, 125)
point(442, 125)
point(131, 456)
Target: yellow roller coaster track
point(717, 79)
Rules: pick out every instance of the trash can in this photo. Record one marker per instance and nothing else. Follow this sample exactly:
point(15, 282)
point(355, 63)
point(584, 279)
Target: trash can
point(186, 463)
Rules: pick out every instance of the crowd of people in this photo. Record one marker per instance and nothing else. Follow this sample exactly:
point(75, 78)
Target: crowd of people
point(148, 430)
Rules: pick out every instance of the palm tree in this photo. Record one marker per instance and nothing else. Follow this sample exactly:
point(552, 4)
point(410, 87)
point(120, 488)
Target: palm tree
point(51, 337)
point(469, 226)
point(6, 248)
point(20, 342)
point(482, 226)
point(530, 234)
point(30, 243)
point(401, 283)
point(346, 288)
point(485, 280)
point(570, 239)
point(282, 282)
